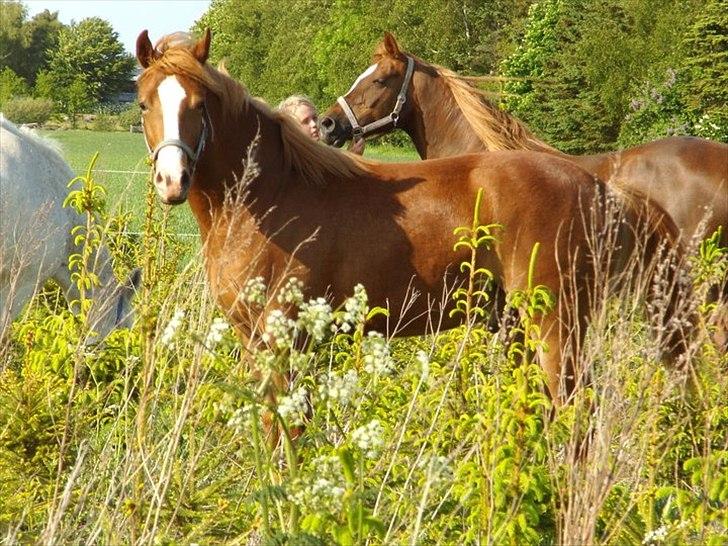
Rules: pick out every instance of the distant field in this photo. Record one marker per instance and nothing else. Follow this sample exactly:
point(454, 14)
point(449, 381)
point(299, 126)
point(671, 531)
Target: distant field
point(126, 152)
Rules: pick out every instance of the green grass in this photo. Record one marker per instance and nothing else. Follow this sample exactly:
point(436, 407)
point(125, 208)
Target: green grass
point(120, 151)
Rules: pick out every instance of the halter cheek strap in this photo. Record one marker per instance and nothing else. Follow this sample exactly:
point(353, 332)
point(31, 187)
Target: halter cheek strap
point(359, 131)
point(192, 155)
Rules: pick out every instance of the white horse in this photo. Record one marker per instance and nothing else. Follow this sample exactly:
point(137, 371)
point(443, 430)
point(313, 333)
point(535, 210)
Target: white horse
point(35, 234)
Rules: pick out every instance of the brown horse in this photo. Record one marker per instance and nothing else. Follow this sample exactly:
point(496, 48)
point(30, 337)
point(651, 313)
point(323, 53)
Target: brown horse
point(446, 115)
point(271, 202)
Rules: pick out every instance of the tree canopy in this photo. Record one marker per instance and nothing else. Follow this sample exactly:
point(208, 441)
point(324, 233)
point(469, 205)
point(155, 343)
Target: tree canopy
point(579, 66)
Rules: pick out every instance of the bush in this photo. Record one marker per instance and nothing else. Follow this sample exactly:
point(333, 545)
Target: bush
point(103, 122)
point(130, 116)
point(28, 110)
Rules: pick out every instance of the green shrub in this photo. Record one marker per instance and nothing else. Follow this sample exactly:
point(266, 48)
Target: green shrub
point(28, 110)
point(11, 85)
point(103, 122)
point(129, 116)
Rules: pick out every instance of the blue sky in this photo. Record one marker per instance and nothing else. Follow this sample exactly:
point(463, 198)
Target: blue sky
point(128, 17)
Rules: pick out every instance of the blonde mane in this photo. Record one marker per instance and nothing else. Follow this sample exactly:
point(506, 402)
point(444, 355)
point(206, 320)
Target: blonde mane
point(312, 160)
point(497, 130)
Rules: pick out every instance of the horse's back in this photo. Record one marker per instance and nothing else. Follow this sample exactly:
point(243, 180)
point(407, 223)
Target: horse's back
point(687, 176)
point(33, 223)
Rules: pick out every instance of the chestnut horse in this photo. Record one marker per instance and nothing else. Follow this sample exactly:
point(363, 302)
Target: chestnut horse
point(271, 202)
point(446, 115)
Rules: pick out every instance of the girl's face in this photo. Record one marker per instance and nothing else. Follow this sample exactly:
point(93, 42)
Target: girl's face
point(308, 118)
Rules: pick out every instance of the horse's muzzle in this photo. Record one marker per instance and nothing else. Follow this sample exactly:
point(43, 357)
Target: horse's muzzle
point(334, 133)
point(172, 191)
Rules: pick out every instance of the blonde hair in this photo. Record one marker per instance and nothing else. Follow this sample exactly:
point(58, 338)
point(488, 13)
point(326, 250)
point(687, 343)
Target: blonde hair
point(290, 104)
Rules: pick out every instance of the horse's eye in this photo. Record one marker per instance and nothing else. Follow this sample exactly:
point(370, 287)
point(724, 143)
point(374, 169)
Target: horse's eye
point(143, 107)
point(380, 81)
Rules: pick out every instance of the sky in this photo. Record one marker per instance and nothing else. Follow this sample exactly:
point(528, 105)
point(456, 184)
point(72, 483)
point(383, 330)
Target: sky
point(128, 17)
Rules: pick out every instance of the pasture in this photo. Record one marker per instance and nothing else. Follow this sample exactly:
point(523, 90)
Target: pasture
point(155, 436)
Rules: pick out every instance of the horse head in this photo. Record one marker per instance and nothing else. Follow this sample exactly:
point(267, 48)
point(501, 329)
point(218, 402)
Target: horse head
point(111, 307)
point(378, 100)
point(174, 115)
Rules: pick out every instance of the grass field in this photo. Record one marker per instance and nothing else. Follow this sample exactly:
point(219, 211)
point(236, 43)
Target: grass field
point(157, 435)
point(126, 152)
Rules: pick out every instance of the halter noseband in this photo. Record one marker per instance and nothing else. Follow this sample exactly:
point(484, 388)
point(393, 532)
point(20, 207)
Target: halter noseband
point(357, 130)
point(192, 155)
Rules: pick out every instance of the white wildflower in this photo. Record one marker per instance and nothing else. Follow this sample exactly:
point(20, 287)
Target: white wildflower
point(292, 292)
point(437, 468)
point(369, 438)
point(298, 361)
point(355, 310)
point(341, 389)
point(294, 406)
point(253, 291)
point(240, 420)
point(315, 317)
point(323, 491)
point(217, 329)
point(424, 359)
point(377, 359)
point(171, 330)
point(656, 536)
point(279, 329)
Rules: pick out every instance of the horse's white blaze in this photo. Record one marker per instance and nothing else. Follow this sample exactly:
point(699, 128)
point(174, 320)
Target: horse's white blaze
point(363, 75)
point(171, 95)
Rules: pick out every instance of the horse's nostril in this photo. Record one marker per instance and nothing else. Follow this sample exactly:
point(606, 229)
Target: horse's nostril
point(184, 179)
point(158, 178)
point(328, 124)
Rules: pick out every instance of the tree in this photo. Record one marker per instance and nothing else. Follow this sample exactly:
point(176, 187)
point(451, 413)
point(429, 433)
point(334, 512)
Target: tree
point(12, 18)
point(24, 45)
point(11, 85)
point(91, 49)
point(706, 87)
point(586, 60)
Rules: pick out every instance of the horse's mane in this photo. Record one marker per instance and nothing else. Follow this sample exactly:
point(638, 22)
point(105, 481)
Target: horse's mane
point(313, 161)
point(497, 130)
point(49, 148)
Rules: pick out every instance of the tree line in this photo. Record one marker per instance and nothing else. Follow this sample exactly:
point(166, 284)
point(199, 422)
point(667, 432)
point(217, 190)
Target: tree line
point(46, 66)
point(586, 75)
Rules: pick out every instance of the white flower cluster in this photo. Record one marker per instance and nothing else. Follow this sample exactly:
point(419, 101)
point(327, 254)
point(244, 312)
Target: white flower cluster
point(424, 359)
point(369, 438)
point(292, 292)
point(240, 419)
point(315, 318)
point(355, 310)
point(171, 330)
point(437, 468)
point(324, 493)
point(294, 406)
point(377, 359)
point(656, 536)
point(341, 389)
point(279, 329)
point(217, 329)
point(253, 291)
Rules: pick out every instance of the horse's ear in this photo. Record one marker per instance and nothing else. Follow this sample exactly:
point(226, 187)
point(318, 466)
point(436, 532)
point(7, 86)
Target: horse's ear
point(145, 53)
point(201, 50)
point(390, 45)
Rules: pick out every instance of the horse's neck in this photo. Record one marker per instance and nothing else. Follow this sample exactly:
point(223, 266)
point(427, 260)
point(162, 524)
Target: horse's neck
point(437, 126)
point(224, 174)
